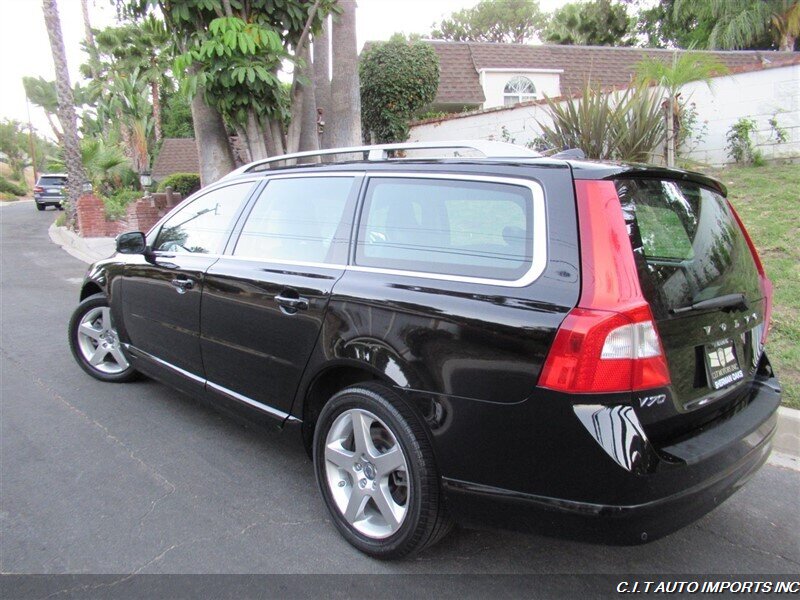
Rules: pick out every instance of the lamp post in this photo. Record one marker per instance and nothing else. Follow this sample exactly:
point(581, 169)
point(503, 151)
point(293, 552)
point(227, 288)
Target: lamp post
point(146, 180)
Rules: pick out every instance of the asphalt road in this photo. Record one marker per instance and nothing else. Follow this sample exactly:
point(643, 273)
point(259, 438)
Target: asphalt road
point(137, 478)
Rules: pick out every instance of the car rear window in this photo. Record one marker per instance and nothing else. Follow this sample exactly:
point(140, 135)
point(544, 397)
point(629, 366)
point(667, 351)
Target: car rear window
point(450, 227)
point(688, 242)
point(46, 180)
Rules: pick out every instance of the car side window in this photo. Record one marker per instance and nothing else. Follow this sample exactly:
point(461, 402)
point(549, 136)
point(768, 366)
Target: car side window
point(203, 226)
point(298, 219)
point(450, 227)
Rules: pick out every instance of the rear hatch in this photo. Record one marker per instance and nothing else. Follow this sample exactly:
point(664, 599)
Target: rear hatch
point(698, 273)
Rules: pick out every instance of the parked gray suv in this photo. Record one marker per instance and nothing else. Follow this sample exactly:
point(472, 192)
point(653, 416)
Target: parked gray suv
point(49, 189)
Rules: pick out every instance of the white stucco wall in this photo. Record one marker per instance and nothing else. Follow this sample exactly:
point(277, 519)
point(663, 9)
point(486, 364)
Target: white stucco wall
point(494, 82)
point(757, 95)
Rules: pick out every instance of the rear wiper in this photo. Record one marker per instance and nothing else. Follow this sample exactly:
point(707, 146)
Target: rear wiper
point(727, 303)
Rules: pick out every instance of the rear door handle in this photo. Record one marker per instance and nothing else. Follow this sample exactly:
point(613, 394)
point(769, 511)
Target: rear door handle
point(181, 285)
point(291, 305)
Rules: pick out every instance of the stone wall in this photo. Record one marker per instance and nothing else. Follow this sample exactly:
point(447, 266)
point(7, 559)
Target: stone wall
point(141, 215)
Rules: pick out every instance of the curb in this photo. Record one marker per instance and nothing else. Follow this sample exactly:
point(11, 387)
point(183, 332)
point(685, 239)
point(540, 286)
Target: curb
point(787, 437)
point(75, 245)
point(785, 442)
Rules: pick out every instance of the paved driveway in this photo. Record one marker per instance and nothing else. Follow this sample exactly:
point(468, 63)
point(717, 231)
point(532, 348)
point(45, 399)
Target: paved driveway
point(104, 478)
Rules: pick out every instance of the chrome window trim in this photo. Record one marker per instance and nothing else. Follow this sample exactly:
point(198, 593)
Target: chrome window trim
point(539, 242)
point(538, 245)
point(214, 386)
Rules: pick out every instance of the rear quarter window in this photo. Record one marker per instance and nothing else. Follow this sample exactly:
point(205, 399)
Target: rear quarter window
point(447, 227)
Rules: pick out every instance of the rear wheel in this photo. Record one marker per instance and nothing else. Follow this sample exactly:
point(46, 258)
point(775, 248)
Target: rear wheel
point(39, 206)
point(376, 472)
point(95, 344)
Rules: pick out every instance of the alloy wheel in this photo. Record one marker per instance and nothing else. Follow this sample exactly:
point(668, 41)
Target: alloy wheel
point(99, 343)
point(367, 473)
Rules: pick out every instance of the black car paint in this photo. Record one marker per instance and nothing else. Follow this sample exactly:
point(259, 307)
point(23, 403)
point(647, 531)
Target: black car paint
point(466, 356)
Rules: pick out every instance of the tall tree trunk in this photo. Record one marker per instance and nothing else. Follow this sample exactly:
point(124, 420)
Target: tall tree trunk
point(66, 108)
point(155, 92)
point(255, 137)
point(275, 139)
point(213, 148)
point(244, 142)
point(309, 139)
point(344, 123)
point(322, 78)
point(89, 36)
point(787, 42)
point(302, 68)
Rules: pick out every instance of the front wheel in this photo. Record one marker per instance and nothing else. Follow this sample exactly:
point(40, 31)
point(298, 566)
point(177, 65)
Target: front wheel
point(95, 344)
point(375, 469)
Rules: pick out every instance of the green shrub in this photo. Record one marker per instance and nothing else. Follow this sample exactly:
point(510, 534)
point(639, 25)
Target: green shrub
point(7, 196)
point(627, 126)
point(182, 183)
point(741, 146)
point(9, 187)
point(398, 80)
point(117, 203)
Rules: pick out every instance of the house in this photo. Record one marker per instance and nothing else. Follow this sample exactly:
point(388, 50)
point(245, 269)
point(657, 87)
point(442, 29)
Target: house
point(179, 155)
point(477, 75)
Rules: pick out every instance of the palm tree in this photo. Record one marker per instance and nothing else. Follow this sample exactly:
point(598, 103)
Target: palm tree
point(66, 108)
point(345, 121)
point(741, 23)
point(684, 68)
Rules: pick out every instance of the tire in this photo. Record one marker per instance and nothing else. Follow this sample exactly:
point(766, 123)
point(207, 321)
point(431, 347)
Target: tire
point(404, 486)
point(40, 206)
point(60, 206)
point(92, 336)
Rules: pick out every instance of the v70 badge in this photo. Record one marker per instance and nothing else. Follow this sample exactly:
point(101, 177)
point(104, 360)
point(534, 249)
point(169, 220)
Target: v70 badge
point(649, 401)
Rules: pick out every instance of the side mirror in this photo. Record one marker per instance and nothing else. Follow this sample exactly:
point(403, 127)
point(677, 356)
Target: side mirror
point(131, 242)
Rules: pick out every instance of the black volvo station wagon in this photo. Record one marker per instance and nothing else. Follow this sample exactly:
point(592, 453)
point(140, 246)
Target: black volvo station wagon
point(548, 344)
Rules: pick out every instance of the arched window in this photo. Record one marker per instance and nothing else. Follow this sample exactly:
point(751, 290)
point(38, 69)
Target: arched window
point(518, 89)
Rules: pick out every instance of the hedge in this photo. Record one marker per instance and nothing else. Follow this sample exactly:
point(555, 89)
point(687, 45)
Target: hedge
point(182, 183)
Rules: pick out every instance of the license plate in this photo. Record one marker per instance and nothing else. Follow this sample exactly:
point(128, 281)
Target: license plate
point(722, 365)
point(54, 191)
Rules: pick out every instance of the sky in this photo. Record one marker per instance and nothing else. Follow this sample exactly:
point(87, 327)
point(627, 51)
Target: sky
point(25, 48)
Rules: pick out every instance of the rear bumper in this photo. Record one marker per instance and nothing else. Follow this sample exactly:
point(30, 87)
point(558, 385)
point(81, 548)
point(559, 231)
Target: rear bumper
point(678, 485)
point(40, 199)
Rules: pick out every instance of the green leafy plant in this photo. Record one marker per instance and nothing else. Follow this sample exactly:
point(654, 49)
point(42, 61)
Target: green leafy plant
point(397, 80)
point(11, 188)
point(741, 145)
point(691, 131)
point(117, 203)
point(182, 183)
point(627, 125)
point(778, 132)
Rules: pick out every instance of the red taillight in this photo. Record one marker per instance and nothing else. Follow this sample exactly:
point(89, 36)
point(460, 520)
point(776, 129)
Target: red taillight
point(38, 189)
point(766, 284)
point(609, 342)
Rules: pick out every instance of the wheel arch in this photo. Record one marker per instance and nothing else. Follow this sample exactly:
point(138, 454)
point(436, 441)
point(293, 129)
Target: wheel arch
point(90, 288)
point(326, 382)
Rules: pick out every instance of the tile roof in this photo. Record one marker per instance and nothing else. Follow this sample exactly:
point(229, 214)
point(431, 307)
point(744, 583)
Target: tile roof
point(460, 63)
point(179, 155)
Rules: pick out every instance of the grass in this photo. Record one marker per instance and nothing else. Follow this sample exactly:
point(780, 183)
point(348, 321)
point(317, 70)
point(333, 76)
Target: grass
point(768, 200)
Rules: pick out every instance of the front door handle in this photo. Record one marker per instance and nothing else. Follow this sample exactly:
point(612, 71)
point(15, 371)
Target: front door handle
point(181, 285)
point(291, 305)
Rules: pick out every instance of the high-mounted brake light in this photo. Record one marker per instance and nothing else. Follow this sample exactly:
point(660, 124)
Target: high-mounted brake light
point(766, 284)
point(609, 342)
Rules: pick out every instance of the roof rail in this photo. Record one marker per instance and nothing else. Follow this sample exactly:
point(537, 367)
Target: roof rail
point(488, 148)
